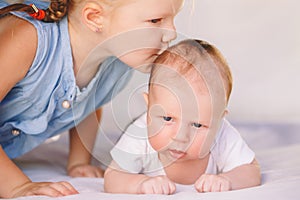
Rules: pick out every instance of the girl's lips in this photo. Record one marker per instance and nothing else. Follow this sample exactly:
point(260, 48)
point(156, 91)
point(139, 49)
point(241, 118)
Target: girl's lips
point(176, 154)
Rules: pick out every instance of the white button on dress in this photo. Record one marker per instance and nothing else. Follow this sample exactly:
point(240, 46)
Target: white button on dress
point(66, 104)
point(15, 132)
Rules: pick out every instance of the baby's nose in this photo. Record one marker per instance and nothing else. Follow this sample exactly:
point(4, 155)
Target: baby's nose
point(183, 136)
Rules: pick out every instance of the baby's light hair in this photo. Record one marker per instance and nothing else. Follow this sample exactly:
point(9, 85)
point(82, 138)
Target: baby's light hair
point(188, 55)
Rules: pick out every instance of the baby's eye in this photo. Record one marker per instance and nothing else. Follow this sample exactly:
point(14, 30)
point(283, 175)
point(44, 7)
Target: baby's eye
point(167, 119)
point(154, 21)
point(197, 125)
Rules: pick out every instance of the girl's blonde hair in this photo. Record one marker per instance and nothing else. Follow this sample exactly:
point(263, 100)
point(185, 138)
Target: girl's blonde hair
point(56, 11)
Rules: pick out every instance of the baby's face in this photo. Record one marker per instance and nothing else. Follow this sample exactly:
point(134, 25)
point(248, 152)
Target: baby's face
point(180, 118)
point(139, 30)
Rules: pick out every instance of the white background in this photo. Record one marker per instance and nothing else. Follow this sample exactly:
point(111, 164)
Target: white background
point(261, 42)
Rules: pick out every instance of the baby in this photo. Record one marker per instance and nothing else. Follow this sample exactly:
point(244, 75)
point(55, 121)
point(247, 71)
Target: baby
point(184, 138)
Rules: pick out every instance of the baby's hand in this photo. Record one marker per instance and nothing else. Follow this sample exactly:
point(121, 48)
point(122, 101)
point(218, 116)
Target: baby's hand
point(212, 183)
point(157, 185)
point(85, 171)
point(57, 189)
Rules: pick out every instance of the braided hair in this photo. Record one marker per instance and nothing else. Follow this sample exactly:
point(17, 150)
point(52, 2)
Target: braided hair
point(55, 12)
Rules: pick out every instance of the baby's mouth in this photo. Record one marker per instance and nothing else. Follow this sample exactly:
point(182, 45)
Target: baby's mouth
point(176, 153)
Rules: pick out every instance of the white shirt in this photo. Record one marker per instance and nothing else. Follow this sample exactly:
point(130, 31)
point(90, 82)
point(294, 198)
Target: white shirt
point(133, 152)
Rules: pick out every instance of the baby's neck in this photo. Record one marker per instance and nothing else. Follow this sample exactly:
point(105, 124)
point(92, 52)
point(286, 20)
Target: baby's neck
point(187, 172)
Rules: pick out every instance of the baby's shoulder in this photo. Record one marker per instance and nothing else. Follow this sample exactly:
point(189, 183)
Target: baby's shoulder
point(227, 136)
point(227, 131)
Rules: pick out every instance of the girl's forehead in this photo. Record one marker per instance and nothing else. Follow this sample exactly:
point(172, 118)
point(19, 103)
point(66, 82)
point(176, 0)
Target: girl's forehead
point(153, 5)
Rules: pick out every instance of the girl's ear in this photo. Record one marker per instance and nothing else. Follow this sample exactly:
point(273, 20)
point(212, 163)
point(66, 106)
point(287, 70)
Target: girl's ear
point(145, 95)
point(92, 14)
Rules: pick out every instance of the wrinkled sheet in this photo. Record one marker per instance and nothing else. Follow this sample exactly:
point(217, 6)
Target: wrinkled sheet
point(277, 148)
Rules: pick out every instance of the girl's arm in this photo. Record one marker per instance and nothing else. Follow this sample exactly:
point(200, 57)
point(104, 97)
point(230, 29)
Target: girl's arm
point(11, 177)
point(14, 183)
point(18, 40)
point(118, 181)
point(82, 139)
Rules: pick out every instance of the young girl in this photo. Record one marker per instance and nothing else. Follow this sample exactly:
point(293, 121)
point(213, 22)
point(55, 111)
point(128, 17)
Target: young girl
point(184, 137)
point(58, 65)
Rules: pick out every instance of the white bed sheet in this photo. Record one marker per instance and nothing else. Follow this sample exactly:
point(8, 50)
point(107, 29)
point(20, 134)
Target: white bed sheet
point(277, 148)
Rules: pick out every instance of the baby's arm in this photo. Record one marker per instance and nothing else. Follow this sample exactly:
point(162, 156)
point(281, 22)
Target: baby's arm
point(14, 183)
point(82, 140)
point(244, 176)
point(118, 181)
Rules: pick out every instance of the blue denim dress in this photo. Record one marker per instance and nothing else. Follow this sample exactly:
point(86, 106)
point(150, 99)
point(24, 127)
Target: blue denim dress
point(48, 101)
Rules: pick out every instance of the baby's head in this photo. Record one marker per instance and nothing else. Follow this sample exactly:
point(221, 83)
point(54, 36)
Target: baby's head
point(195, 59)
point(189, 88)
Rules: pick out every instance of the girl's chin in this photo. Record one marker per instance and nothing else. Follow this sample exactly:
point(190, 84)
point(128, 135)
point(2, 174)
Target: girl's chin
point(140, 59)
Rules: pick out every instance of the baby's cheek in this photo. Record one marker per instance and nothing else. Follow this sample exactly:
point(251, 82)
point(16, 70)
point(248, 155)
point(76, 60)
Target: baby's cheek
point(159, 133)
point(158, 140)
point(196, 146)
point(155, 126)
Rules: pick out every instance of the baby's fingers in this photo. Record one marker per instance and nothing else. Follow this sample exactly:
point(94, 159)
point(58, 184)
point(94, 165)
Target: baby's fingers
point(226, 186)
point(221, 184)
point(199, 184)
point(216, 187)
point(212, 183)
point(203, 184)
point(164, 187)
point(172, 187)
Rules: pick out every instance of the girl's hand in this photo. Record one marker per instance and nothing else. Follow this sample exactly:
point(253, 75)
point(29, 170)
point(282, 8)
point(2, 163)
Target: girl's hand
point(212, 183)
point(85, 171)
point(57, 189)
point(156, 185)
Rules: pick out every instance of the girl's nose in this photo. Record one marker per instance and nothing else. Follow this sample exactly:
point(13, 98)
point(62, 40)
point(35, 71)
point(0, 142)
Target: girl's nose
point(169, 33)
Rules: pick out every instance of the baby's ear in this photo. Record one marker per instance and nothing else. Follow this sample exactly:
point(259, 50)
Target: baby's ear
point(225, 112)
point(146, 96)
point(92, 14)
